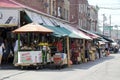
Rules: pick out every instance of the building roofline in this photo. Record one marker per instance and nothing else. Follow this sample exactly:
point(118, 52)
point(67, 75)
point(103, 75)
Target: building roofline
point(9, 4)
point(34, 10)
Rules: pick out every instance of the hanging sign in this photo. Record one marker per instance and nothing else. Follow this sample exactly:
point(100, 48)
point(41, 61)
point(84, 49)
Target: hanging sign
point(107, 30)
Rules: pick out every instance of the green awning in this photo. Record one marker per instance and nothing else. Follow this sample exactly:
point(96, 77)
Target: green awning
point(61, 32)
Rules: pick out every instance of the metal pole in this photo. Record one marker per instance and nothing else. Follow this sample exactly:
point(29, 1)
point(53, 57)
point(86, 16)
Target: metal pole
point(83, 50)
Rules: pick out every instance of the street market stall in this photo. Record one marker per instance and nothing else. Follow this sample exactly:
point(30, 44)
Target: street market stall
point(29, 55)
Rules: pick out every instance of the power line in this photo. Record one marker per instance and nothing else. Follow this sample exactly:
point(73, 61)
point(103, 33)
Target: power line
point(110, 14)
point(111, 8)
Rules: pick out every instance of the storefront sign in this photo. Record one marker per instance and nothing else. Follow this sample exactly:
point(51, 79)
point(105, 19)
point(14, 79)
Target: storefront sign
point(107, 30)
point(8, 17)
point(29, 57)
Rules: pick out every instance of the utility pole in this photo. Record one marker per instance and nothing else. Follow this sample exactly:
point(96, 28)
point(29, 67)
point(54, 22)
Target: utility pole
point(116, 26)
point(103, 23)
point(110, 24)
point(117, 32)
point(104, 19)
point(110, 19)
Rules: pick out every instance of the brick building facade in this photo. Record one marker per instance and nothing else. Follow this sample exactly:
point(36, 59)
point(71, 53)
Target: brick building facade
point(83, 14)
point(93, 18)
point(73, 17)
point(74, 11)
point(40, 5)
point(57, 8)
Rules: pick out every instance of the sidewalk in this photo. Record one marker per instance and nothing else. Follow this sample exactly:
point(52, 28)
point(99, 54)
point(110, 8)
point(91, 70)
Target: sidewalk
point(86, 65)
point(7, 66)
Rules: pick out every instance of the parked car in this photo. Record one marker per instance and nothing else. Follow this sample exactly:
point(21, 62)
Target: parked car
point(115, 47)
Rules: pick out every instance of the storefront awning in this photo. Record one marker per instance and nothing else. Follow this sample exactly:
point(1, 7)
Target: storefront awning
point(90, 34)
point(106, 38)
point(77, 32)
point(62, 32)
point(41, 19)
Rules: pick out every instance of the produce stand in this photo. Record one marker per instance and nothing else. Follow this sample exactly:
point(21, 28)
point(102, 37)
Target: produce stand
point(30, 56)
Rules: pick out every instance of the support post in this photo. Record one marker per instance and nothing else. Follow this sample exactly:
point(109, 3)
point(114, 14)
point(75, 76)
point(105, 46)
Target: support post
point(19, 33)
point(18, 41)
point(68, 53)
point(84, 49)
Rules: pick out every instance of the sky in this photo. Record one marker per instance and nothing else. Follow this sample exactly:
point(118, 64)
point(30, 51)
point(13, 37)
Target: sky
point(113, 11)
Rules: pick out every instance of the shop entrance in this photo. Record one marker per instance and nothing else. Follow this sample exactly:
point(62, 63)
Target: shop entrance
point(9, 39)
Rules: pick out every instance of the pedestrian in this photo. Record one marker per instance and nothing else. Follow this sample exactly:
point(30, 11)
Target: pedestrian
point(106, 49)
point(98, 49)
point(1, 49)
point(16, 50)
point(16, 45)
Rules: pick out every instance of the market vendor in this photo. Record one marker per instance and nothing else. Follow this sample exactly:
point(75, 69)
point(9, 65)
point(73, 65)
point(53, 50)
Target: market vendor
point(16, 50)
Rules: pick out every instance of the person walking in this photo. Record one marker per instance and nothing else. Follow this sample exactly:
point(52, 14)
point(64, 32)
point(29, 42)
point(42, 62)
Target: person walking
point(1, 49)
point(16, 50)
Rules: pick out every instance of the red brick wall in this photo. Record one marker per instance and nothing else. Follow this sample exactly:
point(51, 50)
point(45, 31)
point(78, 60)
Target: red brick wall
point(74, 11)
point(73, 18)
point(83, 16)
point(36, 4)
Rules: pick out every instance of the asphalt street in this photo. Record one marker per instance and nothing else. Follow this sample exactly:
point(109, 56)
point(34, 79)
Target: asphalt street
point(106, 68)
